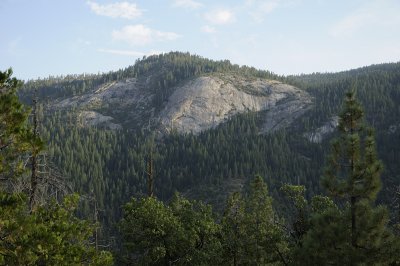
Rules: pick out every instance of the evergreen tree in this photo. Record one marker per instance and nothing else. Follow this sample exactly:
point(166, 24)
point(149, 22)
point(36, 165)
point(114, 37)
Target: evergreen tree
point(182, 233)
point(358, 233)
point(233, 230)
point(201, 243)
point(299, 221)
point(253, 224)
point(13, 127)
point(354, 170)
point(299, 224)
point(265, 241)
point(49, 234)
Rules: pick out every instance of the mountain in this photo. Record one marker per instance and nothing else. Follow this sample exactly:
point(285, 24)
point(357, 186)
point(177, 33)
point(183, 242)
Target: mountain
point(208, 125)
point(193, 103)
point(194, 106)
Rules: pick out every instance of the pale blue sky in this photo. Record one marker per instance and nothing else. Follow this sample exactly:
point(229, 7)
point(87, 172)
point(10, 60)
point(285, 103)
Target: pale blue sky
point(53, 37)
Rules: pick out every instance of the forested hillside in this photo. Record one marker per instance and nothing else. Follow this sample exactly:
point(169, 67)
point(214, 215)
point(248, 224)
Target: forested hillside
point(109, 167)
point(378, 89)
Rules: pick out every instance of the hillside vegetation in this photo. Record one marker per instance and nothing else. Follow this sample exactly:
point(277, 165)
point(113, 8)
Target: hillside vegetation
point(112, 165)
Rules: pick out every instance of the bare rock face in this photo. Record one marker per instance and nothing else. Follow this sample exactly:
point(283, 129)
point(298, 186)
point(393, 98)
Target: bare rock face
point(393, 128)
point(320, 133)
point(91, 118)
point(285, 111)
point(197, 105)
point(123, 93)
point(124, 102)
point(206, 102)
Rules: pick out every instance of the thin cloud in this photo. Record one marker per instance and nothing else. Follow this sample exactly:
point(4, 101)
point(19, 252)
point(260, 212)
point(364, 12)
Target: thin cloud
point(374, 14)
point(259, 9)
point(220, 16)
point(139, 35)
point(13, 47)
point(352, 23)
point(121, 52)
point(128, 52)
point(124, 10)
point(83, 42)
point(208, 29)
point(262, 9)
point(268, 6)
point(191, 4)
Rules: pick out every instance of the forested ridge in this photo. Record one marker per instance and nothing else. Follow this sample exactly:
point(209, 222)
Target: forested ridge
point(110, 168)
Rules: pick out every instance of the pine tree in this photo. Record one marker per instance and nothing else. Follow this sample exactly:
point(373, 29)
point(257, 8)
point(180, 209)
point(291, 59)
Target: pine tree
point(357, 233)
point(49, 234)
point(354, 170)
point(251, 234)
point(233, 230)
point(268, 243)
point(183, 232)
point(13, 127)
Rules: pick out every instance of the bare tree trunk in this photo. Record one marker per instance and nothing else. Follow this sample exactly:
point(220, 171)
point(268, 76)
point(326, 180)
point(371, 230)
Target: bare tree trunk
point(353, 200)
point(150, 180)
point(34, 166)
point(96, 221)
point(353, 222)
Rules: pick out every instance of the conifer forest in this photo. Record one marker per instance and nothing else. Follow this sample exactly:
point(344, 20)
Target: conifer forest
point(95, 169)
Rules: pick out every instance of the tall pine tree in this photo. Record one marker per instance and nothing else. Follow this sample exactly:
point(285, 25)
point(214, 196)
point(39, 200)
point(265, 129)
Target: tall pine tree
point(49, 234)
point(357, 233)
point(13, 127)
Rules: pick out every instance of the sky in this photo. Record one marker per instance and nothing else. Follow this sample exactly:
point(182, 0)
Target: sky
point(42, 38)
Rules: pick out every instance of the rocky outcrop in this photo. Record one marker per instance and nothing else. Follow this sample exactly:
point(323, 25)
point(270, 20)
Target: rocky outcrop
point(206, 102)
point(91, 118)
point(197, 105)
point(125, 102)
point(393, 128)
point(118, 94)
point(320, 133)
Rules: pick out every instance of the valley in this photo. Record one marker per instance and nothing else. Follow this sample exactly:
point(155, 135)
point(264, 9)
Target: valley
point(207, 127)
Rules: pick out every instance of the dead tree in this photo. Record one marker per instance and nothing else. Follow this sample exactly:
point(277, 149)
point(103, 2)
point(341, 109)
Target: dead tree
point(150, 175)
point(34, 156)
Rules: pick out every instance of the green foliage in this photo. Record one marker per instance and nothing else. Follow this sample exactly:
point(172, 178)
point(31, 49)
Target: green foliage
point(51, 235)
point(358, 233)
point(265, 238)
point(17, 139)
point(202, 231)
point(320, 204)
point(329, 239)
point(233, 230)
point(182, 233)
point(167, 70)
point(159, 73)
point(250, 230)
point(296, 195)
point(378, 90)
point(111, 164)
point(151, 231)
point(13, 127)
point(327, 242)
point(353, 169)
point(301, 219)
point(298, 221)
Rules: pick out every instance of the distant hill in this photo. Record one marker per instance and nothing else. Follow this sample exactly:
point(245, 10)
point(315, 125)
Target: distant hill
point(209, 125)
point(166, 91)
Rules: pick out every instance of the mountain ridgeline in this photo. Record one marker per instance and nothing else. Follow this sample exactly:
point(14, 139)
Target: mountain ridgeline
point(208, 127)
